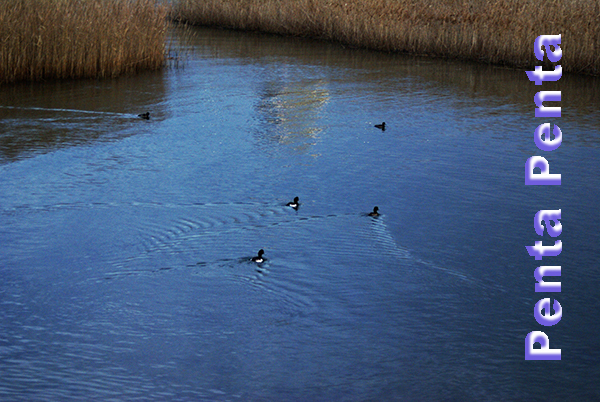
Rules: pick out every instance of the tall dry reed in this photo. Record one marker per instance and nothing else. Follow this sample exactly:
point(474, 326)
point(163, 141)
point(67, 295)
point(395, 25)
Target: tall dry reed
point(492, 31)
point(46, 39)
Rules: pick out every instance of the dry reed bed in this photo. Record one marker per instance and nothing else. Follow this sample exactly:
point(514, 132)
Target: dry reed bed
point(47, 39)
point(492, 31)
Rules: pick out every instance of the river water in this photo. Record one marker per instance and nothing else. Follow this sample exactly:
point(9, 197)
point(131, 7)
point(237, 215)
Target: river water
point(125, 244)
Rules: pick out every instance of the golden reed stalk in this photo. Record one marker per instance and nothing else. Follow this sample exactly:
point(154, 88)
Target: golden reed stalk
point(48, 39)
point(491, 31)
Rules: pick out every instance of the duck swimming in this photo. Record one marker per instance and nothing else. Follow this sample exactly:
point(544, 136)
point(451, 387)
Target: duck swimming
point(374, 213)
point(380, 126)
point(259, 258)
point(294, 204)
point(145, 116)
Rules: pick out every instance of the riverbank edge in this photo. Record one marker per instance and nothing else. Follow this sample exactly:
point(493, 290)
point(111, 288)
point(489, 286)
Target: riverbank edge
point(469, 31)
point(66, 39)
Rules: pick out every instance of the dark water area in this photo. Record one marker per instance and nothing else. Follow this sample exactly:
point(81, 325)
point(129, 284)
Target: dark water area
point(125, 244)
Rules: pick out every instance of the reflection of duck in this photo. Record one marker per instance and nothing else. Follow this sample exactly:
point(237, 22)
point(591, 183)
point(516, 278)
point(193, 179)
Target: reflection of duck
point(380, 126)
point(259, 258)
point(374, 213)
point(294, 204)
point(145, 116)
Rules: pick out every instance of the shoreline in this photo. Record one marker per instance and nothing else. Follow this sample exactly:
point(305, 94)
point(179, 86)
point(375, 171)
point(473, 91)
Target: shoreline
point(476, 30)
point(66, 39)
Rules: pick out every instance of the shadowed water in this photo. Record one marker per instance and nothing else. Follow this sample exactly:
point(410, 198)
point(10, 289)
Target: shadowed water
point(126, 244)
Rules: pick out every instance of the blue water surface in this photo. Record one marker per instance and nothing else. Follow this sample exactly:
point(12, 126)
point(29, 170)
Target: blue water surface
point(125, 244)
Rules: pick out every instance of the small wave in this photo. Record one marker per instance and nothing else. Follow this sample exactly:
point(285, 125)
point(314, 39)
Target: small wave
point(93, 112)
